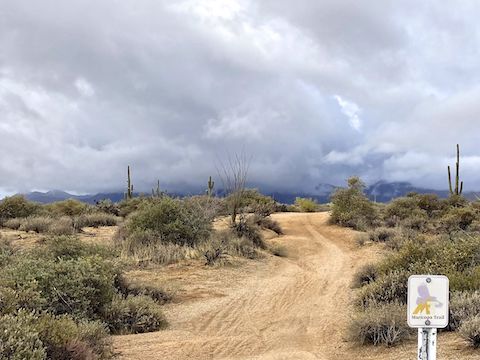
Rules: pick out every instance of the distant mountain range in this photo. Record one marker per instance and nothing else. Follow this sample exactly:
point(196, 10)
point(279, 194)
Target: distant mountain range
point(380, 191)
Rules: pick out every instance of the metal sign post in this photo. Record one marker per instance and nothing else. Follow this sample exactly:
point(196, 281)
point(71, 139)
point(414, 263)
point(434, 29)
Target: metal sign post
point(427, 310)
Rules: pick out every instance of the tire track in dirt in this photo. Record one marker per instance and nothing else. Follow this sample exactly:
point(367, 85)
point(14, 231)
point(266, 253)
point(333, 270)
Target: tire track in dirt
point(281, 308)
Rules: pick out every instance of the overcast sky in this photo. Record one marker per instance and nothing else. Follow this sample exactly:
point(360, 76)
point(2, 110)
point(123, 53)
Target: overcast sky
point(313, 90)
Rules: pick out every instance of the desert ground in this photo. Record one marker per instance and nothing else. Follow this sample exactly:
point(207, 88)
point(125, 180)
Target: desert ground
point(274, 308)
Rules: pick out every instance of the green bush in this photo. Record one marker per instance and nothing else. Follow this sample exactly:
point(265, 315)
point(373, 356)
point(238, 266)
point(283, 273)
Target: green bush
point(63, 338)
point(17, 207)
point(381, 324)
point(127, 207)
point(134, 315)
point(457, 219)
point(463, 306)
point(306, 204)
point(172, 220)
point(18, 338)
point(70, 207)
point(351, 208)
point(389, 288)
point(81, 286)
point(470, 331)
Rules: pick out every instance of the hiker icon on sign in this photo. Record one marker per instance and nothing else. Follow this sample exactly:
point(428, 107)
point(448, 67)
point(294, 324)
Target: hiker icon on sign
point(424, 300)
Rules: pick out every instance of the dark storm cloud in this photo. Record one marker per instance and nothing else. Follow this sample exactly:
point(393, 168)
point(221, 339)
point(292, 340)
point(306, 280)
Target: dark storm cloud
point(314, 91)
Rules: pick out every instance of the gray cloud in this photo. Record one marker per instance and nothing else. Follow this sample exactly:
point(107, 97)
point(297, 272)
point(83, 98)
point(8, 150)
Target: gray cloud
point(314, 91)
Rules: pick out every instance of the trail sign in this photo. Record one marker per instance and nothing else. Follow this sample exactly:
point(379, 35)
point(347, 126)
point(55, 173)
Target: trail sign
point(427, 301)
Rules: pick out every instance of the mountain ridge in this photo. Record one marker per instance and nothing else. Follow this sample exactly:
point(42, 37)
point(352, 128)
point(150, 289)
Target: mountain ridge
point(380, 191)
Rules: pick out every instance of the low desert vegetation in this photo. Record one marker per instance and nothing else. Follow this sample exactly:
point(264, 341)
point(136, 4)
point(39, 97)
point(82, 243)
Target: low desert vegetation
point(63, 298)
point(421, 234)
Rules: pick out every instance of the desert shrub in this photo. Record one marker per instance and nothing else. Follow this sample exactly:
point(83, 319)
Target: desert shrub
point(128, 287)
point(70, 207)
point(6, 251)
point(456, 201)
point(13, 223)
point(246, 228)
point(126, 207)
point(212, 256)
point(402, 208)
point(107, 206)
point(81, 286)
point(470, 331)
point(306, 204)
point(252, 201)
point(70, 247)
point(389, 288)
point(38, 224)
point(364, 275)
point(17, 207)
point(361, 239)
point(63, 338)
point(172, 220)
point(95, 219)
point(463, 306)
point(266, 222)
point(61, 226)
point(18, 338)
point(381, 324)
point(279, 250)
point(457, 218)
point(350, 207)
point(382, 234)
point(134, 315)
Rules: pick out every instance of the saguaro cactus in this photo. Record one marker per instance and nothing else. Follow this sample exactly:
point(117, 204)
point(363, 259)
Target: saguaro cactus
point(157, 192)
point(458, 185)
point(129, 193)
point(211, 185)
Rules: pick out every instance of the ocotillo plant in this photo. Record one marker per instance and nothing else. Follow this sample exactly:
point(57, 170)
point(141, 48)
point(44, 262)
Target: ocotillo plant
point(156, 192)
point(458, 185)
point(129, 193)
point(211, 185)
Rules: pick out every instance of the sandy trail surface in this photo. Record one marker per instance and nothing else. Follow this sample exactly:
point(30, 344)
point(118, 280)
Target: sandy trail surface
point(277, 308)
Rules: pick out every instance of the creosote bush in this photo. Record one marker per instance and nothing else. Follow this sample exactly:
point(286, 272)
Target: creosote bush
point(134, 315)
point(17, 207)
point(306, 204)
point(351, 208)
point(380, 324)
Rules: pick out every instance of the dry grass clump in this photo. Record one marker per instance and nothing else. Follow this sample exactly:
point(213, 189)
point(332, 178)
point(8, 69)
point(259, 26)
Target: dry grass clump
point(134, 315)
point(365, 275)
point(42, 225)
point(380, 324)
point(266, 222)
point(128, 288)
point(470, 331)
point(279, 250)
point(382, 234)
point(96, 219)
point(463, 306)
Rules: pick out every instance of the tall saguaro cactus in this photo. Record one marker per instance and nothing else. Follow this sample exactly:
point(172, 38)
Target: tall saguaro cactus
point(458, 184)
point(211, 185)
point(157, 192)
point(129, 193)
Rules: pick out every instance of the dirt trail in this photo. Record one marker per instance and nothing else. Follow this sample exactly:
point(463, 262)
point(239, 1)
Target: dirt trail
point(293, 308)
